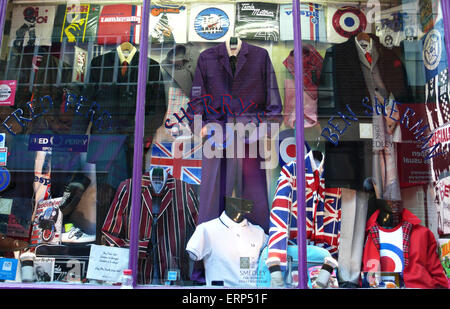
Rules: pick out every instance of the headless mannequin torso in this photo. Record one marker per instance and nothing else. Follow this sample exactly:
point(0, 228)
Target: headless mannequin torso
point(235, 209)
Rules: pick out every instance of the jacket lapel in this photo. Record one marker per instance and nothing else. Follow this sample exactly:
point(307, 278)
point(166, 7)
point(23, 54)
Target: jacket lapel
point(223, 58)
point(242, 58)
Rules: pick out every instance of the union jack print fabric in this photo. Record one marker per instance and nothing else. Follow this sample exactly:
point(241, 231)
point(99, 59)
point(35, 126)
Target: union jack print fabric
point(323, 211)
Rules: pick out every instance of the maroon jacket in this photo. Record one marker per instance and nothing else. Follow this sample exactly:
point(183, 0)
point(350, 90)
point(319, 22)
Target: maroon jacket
point(423, 268)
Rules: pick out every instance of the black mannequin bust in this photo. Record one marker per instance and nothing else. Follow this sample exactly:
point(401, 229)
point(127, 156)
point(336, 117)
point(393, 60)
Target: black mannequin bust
point(390, 213)
point(236, 208)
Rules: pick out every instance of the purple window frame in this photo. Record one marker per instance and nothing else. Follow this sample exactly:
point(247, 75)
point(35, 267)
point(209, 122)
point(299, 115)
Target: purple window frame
point(138, 146)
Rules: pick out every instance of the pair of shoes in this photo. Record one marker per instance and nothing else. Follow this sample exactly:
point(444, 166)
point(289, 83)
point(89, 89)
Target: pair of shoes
point(73, 234)
point(8, 244)
point(73, 193)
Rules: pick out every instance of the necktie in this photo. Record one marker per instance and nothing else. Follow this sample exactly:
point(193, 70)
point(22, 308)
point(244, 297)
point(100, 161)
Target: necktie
point(369, 57)
point(124, 68)
point(233, 61)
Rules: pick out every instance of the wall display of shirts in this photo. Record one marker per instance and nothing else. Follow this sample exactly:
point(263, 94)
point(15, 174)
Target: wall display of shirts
point(209, 23)
point(312, 18)
point(398, 24)
point(257, 21)
point(119, 23)
point(442, 191)
point(76, 22)
point(80, 61)
point(32, 25)
point(426, 14)
point(345, 21)
point(444, 252)
point(168, 24)
point(434, 52)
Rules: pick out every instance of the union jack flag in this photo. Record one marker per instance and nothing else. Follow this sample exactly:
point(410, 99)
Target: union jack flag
point(182, 160)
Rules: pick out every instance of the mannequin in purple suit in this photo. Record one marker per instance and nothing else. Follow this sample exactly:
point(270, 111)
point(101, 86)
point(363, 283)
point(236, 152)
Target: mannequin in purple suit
point(242, 88)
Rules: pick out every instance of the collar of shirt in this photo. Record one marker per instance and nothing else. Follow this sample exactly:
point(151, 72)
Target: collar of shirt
point(314, 166)
point(368, 48)
point(230, 223)
point(128, 58)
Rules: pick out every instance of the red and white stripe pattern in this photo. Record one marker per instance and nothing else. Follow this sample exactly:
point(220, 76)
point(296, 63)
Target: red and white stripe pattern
point(176, 222)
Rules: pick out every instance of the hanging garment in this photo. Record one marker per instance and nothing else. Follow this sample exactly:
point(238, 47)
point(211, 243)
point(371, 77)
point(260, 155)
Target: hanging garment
point(312, 66)
point(341, 64)
point(253, 91)
point(180, 63)
point(176, 222)
point(322, 212)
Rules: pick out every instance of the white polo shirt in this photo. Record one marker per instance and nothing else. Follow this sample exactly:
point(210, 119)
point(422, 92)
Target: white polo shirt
point(229, 250)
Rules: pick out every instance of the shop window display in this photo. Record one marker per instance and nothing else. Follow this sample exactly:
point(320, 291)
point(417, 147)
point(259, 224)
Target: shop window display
point(174, 154)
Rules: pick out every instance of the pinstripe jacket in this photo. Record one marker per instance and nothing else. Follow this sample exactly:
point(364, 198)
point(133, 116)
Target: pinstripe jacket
point(175, 223)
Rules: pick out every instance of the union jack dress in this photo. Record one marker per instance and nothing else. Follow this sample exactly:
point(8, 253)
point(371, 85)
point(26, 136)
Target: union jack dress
point(323, 212)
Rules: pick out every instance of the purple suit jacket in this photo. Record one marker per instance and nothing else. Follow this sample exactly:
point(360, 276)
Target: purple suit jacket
point(251, 93)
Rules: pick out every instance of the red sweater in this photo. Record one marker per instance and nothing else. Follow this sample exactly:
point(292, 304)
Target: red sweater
point(423, 268)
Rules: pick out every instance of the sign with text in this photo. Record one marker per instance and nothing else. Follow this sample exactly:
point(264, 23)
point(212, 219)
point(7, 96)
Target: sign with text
point(8, 269)
point(107, 263)
point(7, 92)
point(58, 143)
point(3, 156)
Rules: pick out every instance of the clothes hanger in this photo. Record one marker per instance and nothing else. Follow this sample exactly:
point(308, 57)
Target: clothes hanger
point(233, 42)
point(233, 45)
point(158, 179)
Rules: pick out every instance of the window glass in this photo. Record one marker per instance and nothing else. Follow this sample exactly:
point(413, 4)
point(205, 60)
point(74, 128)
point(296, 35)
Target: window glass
point(215, 133)
point(68, 123)
point(225, 67)
point(384, 80)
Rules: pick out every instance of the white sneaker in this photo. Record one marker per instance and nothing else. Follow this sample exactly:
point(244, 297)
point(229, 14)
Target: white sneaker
point(73, 235)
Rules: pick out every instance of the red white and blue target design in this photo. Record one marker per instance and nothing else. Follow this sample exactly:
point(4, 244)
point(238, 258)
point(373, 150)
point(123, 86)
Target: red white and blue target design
point(391, 258)
point(288, 150)
point(349, 21)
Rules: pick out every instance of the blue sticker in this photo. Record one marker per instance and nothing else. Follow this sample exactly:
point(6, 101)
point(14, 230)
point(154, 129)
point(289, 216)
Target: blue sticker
point(212, 23)
point(8, 269)
point(172, 275)
point(5, 178)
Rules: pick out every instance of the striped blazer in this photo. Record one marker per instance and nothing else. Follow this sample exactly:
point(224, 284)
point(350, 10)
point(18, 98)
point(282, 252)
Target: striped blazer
point(175, 223)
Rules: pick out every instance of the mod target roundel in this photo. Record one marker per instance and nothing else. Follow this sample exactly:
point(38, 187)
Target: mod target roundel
point(349, 21)
point(5, 178)
point(391, 258)
point(288, 151)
